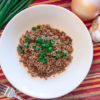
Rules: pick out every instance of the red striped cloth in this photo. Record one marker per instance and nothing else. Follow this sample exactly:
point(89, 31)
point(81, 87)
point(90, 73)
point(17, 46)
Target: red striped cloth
point(89, 89)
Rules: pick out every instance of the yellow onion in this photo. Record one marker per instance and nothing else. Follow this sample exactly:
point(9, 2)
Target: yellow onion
point(86, 9)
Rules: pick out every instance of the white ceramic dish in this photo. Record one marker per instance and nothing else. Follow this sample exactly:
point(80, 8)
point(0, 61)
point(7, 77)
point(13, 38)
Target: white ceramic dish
point(57, 17)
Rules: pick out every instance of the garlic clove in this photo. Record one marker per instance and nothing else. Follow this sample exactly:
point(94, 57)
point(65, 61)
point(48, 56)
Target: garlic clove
point(96, 36)
point(95, 30)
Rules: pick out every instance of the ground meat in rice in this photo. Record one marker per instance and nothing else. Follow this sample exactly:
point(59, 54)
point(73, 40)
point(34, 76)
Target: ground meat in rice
point(29, 57)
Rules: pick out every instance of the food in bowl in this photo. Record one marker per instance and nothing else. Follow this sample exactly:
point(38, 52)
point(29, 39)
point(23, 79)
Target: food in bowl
point(45, 51)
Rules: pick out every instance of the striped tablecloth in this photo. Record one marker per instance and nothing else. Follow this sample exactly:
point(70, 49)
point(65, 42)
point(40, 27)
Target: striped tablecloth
point(89, 89)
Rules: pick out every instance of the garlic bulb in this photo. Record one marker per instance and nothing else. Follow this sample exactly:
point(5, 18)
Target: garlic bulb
point(95, 30)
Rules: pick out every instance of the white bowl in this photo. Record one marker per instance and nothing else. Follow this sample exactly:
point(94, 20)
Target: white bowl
point(59, 18)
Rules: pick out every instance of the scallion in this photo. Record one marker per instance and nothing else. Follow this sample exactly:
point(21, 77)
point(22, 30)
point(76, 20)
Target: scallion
point(20, 49)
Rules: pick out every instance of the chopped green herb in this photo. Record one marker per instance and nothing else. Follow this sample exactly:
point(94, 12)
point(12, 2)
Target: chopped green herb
point(39, 40)
point(48, 44)
point(64, 53)
point(50, 49)
point(33, 28)
point(26, 44)
point(41, 48)
point(53, 42)
point(43, 60)
point(20, 49)
point(36, 40)
point(34, 45)
point(27, 38)
point(57, 56)
point(37, 49)
point(44, 52)
point(38, 27)
point(40, 56)
point(43, 45)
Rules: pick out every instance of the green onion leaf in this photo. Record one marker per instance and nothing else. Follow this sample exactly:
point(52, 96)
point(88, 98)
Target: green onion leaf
point(37, 49)
point(40, 56)
point(34, 45)
point(57, 56)
point(20, 49)
point(33, 28)
point(19, 7)
point(53, 42)
point(39, 40)
point(48, 44)
point(44, 52)
point(26, 44)
point(38, 27)
point(43, 45)
point(43, 60)
point(27, 38)
point(50, 49)
point(64, 53)
point(41, 48)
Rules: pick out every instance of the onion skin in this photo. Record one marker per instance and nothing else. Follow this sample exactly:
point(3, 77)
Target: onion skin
point(86, 9)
